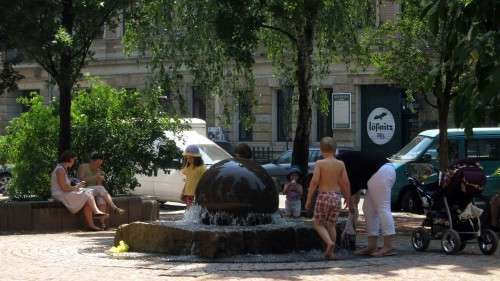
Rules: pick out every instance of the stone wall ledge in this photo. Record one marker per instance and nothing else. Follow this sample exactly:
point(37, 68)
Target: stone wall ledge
point(52, 216)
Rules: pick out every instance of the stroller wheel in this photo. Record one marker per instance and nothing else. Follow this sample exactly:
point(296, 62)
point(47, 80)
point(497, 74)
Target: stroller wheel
point(451, 242)
point(420, 239)
point(488, 241)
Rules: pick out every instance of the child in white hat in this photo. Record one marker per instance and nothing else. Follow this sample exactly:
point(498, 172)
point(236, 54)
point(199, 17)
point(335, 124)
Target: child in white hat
point(193, 170)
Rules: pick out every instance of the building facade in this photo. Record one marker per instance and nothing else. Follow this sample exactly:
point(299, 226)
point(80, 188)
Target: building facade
point(365, 111)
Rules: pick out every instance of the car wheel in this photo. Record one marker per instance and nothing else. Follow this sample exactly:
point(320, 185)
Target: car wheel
point(4, 181)
point(411, 202)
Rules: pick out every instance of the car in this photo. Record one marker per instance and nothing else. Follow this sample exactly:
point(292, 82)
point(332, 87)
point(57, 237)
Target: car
point(167, 185)
point(227, 146)
point(419, 159)
point(5, 176)
point(278, 168)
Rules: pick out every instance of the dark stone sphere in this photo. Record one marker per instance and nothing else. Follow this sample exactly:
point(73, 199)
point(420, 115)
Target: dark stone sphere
point(238, 187)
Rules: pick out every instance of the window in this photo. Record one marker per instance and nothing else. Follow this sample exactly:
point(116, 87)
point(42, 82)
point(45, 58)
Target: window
point(245, 132)
point(283, 114)
point(199, 107)
point(453, 155)
point(484, 149)
point(324, 119)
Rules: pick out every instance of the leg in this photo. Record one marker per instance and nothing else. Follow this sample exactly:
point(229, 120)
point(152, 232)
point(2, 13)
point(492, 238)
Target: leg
point(325, 236)
point(385, 179)
point(332, 231)
point(93, 205)
point(101, 204)
point(372, 224)
point(353, 211)
point(89, 220)
point(296, 209)
point(99, 190)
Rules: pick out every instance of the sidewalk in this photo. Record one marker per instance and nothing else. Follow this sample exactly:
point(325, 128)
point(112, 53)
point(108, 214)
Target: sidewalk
point(82, 256)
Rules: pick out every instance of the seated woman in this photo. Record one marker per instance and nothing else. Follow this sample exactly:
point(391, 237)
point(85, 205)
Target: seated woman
point(92, 174)
point(74, 197)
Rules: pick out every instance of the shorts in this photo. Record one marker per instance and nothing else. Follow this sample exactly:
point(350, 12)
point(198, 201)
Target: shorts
point(327, 208)
point(292, 208)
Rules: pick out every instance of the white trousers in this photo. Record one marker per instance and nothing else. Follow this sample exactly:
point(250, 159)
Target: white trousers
point(377, 205)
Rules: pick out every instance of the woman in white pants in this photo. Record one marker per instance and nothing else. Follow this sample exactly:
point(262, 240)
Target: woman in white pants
point(377, 175)
point(377, 211)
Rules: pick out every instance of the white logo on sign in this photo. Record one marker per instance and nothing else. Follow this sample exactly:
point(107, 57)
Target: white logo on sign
point(380, 125)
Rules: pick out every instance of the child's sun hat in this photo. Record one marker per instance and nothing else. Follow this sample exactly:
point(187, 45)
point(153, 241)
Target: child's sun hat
point(293, 170)
point(191, 150)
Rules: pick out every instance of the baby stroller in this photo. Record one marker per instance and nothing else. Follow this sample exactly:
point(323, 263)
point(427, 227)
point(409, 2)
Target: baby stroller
point(451, 215)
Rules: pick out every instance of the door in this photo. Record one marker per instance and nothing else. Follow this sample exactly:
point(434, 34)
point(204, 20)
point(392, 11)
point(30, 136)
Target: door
point(381, 119)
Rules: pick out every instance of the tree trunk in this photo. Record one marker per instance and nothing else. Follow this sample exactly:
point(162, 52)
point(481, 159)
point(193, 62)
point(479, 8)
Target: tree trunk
point(65, 80)
point(64, 117)
point(300, 156)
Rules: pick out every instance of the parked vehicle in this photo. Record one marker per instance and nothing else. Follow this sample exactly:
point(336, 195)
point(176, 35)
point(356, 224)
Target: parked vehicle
point(167, 186)
point(278, 168)
point(419, 159)
point(227, 146)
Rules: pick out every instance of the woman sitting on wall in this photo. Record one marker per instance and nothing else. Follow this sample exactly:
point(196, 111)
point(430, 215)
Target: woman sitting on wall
point(74, 197)
point(92, 174)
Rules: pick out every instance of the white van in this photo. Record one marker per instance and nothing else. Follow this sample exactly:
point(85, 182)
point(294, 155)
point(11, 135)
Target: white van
point(168, 186)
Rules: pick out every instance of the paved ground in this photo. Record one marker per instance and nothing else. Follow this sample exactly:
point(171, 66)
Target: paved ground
point(85, 256)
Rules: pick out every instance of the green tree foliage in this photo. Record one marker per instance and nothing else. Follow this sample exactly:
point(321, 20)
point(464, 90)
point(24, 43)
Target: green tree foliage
point(126, 129)
point(57, 34)
point(122, 125)
point(29, 143)
point(449, 49)
point(217, 42)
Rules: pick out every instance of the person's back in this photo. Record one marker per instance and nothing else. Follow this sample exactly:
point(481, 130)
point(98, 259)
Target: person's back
point(330, 174)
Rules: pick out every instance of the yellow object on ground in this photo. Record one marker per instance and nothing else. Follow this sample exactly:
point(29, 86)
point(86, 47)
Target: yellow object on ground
point(121, 248)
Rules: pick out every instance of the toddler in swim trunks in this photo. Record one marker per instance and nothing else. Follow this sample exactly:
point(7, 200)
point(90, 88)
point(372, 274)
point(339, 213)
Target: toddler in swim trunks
point(330, 176)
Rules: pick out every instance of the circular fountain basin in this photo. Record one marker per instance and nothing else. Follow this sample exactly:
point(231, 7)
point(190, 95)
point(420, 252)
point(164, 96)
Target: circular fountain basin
point(211, 241)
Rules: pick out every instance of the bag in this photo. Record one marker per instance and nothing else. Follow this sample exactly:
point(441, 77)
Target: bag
point(465, 176)
point(471, 212)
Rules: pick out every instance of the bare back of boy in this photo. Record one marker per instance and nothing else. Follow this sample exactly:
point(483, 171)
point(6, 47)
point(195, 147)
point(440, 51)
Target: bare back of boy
point(330, 175)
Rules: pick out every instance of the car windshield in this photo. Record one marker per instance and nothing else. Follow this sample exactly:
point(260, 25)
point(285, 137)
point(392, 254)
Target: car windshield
point(413, 149)
point(212, 154)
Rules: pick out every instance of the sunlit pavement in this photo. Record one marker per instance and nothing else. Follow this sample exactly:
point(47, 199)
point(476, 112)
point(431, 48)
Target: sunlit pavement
point(85, 256)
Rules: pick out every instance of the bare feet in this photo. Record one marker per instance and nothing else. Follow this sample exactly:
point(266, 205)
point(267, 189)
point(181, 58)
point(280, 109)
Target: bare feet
point(94, 228)
point(329, 251)
point(383, 252)
point(365, 252)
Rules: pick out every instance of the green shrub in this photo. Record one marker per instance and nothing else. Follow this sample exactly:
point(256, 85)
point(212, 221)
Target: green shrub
point(124, 126)
point(30, 144)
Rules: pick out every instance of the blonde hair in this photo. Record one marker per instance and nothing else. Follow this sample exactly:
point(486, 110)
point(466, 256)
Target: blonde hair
point(328, 144)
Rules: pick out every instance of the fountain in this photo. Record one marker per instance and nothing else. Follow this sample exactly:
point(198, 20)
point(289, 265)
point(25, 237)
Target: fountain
point(235, 214)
